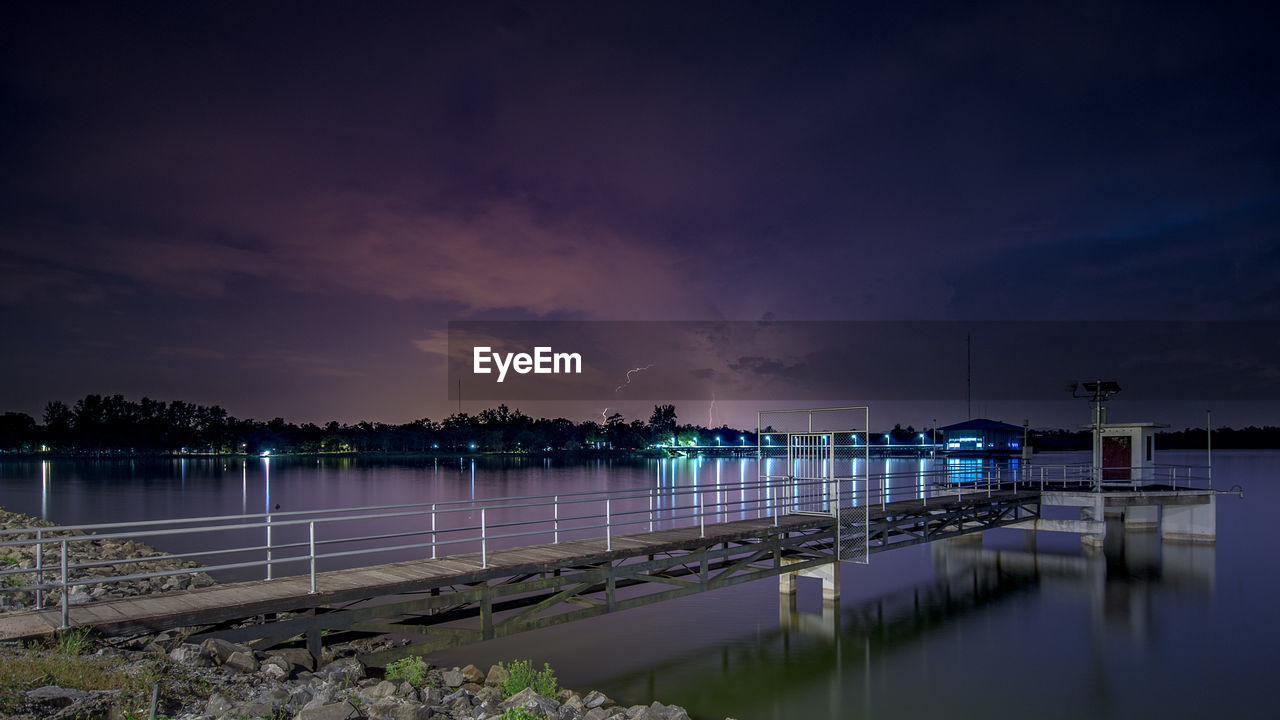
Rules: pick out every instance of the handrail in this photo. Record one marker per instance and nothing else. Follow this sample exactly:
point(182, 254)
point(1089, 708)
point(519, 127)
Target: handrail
point(770, 495)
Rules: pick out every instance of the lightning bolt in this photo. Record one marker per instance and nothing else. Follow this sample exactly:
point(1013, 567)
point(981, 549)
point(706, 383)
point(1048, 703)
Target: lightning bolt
point(711, 411)
point(604, 419)
point(631, 372)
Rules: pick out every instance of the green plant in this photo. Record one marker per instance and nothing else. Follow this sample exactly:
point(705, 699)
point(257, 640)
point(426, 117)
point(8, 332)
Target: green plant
point(15, 580)
point(412, 668)
point(72, 642)
point(9, 560)
point(521, 675)
point(518, 713)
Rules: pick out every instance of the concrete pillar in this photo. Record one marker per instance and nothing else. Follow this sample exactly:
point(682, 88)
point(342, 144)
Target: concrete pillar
point(1142, 517)
point(829, 574)
point(1093, 510)
point(1190, 523)
point(787, 584)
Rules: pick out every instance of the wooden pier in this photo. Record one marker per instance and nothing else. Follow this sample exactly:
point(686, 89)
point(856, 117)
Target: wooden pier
point(470, 597)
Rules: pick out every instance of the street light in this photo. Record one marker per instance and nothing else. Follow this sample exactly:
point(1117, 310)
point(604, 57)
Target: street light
point(743, 440)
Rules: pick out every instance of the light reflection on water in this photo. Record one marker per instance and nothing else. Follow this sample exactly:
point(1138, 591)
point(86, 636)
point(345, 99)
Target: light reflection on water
point(1003, 628)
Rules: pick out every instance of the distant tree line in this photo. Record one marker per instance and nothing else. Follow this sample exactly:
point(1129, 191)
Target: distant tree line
point(113, 424)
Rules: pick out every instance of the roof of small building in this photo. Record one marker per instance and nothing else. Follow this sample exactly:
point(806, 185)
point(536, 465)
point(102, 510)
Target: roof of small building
point(982, 424)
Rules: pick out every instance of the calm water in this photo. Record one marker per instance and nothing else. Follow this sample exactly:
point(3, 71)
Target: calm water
point(999, 628)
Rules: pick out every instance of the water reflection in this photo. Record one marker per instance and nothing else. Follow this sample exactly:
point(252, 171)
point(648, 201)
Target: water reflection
point(824, 659)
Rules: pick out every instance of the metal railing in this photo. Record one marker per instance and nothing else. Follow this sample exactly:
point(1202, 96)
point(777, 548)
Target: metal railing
point(469, 525)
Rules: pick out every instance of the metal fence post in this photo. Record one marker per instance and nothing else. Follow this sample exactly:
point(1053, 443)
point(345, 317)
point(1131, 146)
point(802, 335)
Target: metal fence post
point(268, 547)
point(651, 492)
point(556, 502)
point(484, 542)
point(66, 601)
point(608, 526)
point(39, 568)
point(311, 542)
point(702, 520)
point(433, 531)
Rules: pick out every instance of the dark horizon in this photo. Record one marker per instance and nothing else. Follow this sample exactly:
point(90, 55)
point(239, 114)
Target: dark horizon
point(279, 209)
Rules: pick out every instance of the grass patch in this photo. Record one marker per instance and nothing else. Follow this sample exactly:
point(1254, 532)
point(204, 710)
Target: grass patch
point(72, 642)
point(521, 675)
point(518, 713)
point(10, 559)
point(412, 668)
point(31, 668)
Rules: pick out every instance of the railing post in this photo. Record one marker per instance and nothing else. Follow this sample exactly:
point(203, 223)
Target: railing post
point(608, 526)
point(702, 520)
point(268, 547)
point(433, 531)
point(484, 542)
point(66, 601)
point(651, 493)
point(556, 502)
point(39, 568)
point(311, 543)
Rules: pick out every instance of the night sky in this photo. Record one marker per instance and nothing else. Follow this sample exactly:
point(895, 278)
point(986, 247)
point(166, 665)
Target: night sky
point(279, 209)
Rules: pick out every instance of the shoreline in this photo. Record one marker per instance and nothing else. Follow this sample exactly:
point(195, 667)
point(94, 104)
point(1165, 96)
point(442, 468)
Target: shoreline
point(71, 675)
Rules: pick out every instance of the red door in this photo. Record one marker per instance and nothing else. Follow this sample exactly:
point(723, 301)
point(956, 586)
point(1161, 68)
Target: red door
point(1116, 457)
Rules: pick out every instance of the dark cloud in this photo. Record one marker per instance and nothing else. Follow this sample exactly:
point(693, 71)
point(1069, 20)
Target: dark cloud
point(176, 174)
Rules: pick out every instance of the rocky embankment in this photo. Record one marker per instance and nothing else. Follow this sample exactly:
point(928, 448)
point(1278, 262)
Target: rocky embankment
point(86, 549)
point(218, 680)
point(242, 683)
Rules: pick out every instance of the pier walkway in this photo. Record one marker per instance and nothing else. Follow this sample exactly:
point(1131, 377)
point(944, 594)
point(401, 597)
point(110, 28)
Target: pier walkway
point(646, 546)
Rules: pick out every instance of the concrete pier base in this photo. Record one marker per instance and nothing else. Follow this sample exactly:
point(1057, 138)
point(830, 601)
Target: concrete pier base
point(1190, 523)
point(1141, 517)
point(828, 574)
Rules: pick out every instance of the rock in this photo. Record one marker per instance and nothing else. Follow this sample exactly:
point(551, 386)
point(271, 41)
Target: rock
point(574, 704)
point(393, 708)
point(299, 697)
point(52, 696)
point(218, 705)
point(242, 661)
point(643, 712)
point(675, 712)
point(497, 675)
point(334, 711)
point(190, 655)
point(274, 671)
point(596, 714)
point(407, 691)
point(386, 688)
point(595, 699)
point(488, 695)
point(220, 649)
point(297, 656)
point(431, 695)
point(533, 703)
point(267, 704)
point(346, 670)
point(472, 674)
point(452, 678)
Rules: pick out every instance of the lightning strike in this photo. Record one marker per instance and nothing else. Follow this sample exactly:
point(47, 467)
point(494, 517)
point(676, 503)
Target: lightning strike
point(629, 374)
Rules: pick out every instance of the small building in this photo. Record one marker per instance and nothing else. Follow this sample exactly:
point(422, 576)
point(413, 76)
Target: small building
point(981, 436)
point(1125, 451)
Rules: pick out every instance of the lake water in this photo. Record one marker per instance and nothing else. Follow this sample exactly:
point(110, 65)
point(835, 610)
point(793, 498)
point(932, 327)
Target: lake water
point(1001, 628)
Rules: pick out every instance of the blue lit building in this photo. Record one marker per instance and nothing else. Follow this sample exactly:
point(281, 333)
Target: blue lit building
point(981, 437)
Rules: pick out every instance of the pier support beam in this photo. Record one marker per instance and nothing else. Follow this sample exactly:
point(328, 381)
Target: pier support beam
point(1191, 523)
point(1141, 517)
